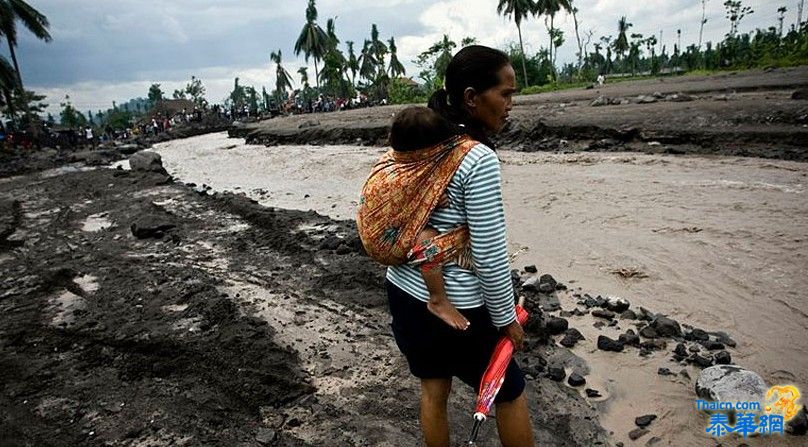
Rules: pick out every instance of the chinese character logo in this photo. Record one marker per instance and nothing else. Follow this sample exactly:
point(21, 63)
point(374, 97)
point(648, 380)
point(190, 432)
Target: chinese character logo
point(783, 401)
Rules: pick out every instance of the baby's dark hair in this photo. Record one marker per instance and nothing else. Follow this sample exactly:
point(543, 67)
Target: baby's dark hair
point(419, 127)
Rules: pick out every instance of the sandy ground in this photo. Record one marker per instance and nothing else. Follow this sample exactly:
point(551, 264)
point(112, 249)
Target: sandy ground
point(719, 243)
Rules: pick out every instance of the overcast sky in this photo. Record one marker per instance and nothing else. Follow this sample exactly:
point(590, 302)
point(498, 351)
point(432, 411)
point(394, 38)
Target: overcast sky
point(105, 50)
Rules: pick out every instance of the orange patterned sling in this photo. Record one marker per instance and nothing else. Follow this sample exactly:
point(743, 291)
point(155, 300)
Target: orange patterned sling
point(399, 195)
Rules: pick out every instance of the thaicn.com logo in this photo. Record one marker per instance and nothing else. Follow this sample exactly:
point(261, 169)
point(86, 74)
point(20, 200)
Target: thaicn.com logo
point(765, 418)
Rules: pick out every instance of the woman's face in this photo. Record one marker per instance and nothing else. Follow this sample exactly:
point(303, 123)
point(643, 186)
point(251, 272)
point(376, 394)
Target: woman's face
point(492, 106)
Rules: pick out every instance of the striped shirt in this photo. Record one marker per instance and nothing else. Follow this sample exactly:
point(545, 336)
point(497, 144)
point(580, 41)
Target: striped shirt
point(475, 199)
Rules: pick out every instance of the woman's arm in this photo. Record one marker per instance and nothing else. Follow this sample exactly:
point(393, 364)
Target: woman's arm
point(486, 220)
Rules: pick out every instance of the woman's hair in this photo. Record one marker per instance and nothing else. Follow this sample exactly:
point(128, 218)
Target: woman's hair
point(474, 66)
point(418, 127)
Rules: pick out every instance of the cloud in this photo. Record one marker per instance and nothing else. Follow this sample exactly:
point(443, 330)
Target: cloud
point(101, 47)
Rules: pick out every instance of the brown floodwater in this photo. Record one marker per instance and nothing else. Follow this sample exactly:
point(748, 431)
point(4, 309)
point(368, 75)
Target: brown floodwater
point(717, 242)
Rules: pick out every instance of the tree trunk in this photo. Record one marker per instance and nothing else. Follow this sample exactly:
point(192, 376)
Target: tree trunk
point(522, 48)
point(578, 38)
point(316, 73)
point(10, 102)
point(701, 27)
point(14, 61)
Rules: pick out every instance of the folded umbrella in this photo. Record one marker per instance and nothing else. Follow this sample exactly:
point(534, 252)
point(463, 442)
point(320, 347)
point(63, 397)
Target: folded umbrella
point(494, 375)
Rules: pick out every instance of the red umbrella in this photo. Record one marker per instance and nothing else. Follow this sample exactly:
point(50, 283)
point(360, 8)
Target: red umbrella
point(494, 376)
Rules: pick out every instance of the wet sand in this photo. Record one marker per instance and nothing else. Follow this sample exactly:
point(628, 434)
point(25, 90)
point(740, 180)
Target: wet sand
point(717, 242)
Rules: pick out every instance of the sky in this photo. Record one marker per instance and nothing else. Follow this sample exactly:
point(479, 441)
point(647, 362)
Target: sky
point(112, 50)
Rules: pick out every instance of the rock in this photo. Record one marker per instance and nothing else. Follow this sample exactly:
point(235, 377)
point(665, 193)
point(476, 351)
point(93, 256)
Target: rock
point(147, 161)
point(629, 338)
point(711, 345)
point(679, 97)
point(531, 284)
point(680, 350)
point(576, 379)
point(571, 337)
point(666, 327)
point(607, 344)
point(685, 374)
point(128, 149)
point(603, 313)
point(592, 393)
point(645, 315)
point(800, 94)
point(648, 332)
point(531, 269)
point(10, 218)
point(723, 337)
point(266, 436)
point(694, 349)
point(556, 373)
point(617, 305)
point(645, 99)
point(730, 383)
point(330, 242)
point(654, 345)
point(547, 284)
point(665, 372)
point(701, 361)
point(556, 325)
point(628, 315)
point(600, 101)
point(645, 420)
point(723, 358)
point(696, 335)
point(637, 433)
point(798, 425)
point(151, 226)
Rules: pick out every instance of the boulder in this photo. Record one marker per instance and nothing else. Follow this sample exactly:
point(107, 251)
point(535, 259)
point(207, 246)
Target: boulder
point(666, 327)
point(556, 373)
point(147, 161)
point(151, 226)
point(723, 358)
point(798, 425)
point(730, 383)
point(576, 379)
point(531, 269)
point(592, 393)
point(607, 344)
point(547, 284)
point(571, 337)
point(617, 305)
point(600, 101)
point(603, 313)
point(800, 94)
point(556, 325)
point(644, 421)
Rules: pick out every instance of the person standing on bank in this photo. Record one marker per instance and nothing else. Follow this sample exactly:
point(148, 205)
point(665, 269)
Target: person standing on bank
point(476, 99)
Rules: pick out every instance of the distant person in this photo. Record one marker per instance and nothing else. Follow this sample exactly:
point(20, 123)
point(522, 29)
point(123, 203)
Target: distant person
point(88, 136)
point(601, 80)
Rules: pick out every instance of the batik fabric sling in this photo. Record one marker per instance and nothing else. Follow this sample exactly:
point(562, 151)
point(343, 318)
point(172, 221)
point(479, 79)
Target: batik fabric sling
point(399, 195)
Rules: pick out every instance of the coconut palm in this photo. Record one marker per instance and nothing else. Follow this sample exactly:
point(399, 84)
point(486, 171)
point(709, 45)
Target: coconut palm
point(396, 68)
point(549, 8)
point(35, 21)
point(367, 62)
point(378, 47)
point(518, 10)
point(621, 43)
point(282, 78)
point(352, 62)
point(313, 41)
point(443, 49)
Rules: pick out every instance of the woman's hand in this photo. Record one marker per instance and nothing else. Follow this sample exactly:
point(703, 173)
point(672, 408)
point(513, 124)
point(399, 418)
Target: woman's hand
point(515, 332)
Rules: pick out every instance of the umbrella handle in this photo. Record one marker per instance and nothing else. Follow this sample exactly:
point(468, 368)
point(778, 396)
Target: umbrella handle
point(479, 418)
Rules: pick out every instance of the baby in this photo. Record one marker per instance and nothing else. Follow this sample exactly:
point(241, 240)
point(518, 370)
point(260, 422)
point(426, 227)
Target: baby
point(416, 128)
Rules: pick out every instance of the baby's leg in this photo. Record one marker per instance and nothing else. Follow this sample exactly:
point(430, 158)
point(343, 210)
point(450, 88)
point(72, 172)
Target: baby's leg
point(438, 303)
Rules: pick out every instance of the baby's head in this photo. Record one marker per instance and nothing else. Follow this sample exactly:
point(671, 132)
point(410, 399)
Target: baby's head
point(418, 127)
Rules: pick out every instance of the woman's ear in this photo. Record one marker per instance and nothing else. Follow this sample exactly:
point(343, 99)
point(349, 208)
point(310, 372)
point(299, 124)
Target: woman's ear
point(470, 98)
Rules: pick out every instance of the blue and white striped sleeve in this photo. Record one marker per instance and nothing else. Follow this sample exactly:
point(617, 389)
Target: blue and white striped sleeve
point(489, 250)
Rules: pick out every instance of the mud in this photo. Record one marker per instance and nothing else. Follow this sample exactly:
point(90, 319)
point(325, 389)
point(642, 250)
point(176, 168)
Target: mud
point(746, 114)
point(239, 324)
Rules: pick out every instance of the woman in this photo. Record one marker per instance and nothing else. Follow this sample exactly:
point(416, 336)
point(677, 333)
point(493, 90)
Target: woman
point(476, 98)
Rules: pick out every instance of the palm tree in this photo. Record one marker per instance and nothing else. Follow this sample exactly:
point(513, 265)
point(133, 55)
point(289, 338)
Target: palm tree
point(518, 10)
point(396, 68)
point(621, 43)
point(549, 8)
point(367, 62)
point(312, 40)
point(282, 78)
point(443, 49)
point(352, 63)
point(35, 21)
point(333, 41)
point(378, 47)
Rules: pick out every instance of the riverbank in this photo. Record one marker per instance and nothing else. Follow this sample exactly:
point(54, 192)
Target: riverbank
point(748, 113)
